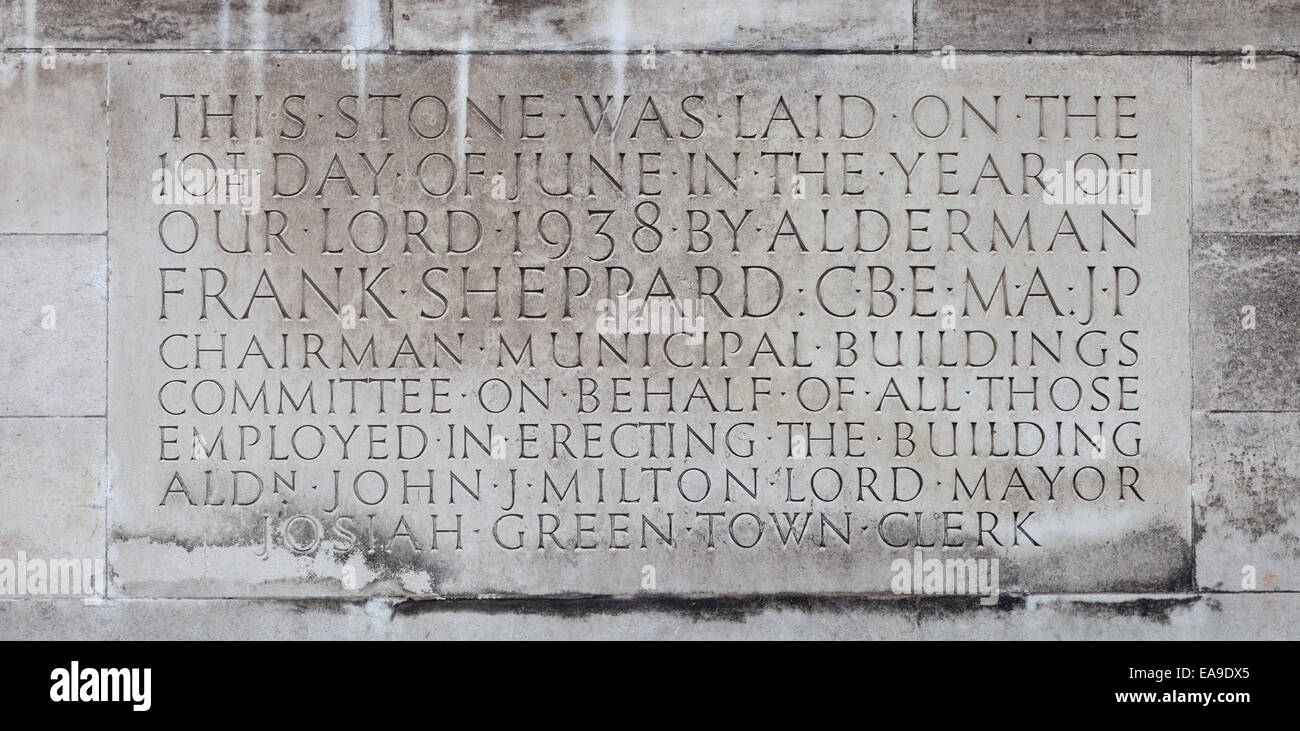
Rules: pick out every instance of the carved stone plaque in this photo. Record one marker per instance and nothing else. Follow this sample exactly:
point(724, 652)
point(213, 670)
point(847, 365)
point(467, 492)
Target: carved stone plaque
point(687, 324)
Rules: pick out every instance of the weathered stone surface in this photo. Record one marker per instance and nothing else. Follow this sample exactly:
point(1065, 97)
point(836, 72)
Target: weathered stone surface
point(53, 290)
point(1165, 617)
point(54, 125)
point(1247, 144)
point(1244, 310)
point(1110, 618)
point(208, 620)
point(650, 618)
point(1247, 529)
point(520, 521)
point(666, 25)
point(208, 24)
point(1108, 25)
point(52, 497)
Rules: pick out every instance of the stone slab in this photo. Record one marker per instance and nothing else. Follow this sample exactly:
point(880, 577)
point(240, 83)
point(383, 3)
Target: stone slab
point(665, 25)
point(172, 24)
point(54, 290)
point(1108, 25)
point(1247, 144)
point(52, 497)
point(1245, 345)
point(54, 124)
point(1247, 501)
point(565, 508)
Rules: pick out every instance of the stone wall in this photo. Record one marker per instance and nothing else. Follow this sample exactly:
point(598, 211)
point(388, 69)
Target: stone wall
point(1206, 547)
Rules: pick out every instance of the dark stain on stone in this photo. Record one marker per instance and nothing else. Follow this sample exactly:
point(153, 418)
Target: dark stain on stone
point(1155, 559)
point(729, 609)
point(1235, 58)
point(521, 9)
point(325, 606)
point(1151, 609)
point(941, 607)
